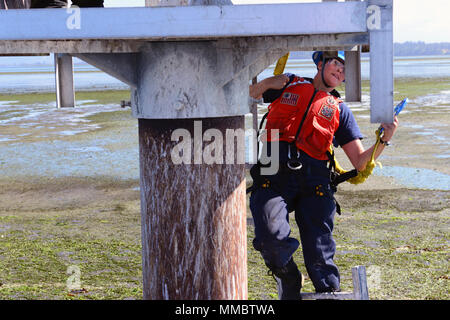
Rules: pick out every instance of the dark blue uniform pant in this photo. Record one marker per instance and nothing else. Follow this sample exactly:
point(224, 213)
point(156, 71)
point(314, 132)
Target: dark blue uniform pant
point(311, 197)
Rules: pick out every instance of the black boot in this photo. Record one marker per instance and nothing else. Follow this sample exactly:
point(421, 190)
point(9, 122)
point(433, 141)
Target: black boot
point(289, 281)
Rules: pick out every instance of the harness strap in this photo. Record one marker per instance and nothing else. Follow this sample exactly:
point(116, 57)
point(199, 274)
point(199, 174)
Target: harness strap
point(294, 163)
point(259, 130)
point(337, 178)
point(304, 115)
point(345, 176)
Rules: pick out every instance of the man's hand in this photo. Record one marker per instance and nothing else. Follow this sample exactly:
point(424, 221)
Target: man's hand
point(355, 150)
point(389, 129)
point(276, 82)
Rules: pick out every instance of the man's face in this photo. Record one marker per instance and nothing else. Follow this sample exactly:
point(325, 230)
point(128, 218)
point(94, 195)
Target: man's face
point(334, 72)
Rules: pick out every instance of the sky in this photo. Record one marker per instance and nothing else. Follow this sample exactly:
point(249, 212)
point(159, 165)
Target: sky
point(414, 20)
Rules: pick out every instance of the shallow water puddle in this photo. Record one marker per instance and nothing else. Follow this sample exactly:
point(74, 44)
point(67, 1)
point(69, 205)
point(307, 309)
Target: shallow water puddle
point(416, 177)
point(45, 120)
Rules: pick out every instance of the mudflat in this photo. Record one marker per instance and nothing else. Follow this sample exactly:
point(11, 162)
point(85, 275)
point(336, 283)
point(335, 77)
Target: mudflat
point(70, 208)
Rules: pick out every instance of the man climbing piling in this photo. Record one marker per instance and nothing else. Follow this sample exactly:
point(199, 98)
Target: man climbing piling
point(309, 116)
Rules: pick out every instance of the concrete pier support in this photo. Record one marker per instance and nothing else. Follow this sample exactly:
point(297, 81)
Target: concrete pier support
point(65, 92)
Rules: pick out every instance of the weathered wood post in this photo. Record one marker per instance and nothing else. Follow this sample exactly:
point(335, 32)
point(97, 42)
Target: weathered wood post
point(194, 213)
point(360, 290)
point(15, 4)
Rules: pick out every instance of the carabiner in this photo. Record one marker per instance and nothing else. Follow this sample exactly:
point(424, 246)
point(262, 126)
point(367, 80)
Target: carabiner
point(294, 164)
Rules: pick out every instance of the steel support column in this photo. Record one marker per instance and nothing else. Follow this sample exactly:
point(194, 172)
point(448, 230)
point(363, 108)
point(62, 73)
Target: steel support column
point(353, 76)
point(380, 25)
point(65, 92)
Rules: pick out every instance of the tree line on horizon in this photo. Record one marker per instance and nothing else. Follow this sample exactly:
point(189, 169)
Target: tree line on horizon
point(409, 48)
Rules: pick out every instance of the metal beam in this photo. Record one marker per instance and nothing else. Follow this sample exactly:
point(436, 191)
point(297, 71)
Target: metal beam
point(286, 43)
point(185, 23)
point(17, 47)
point(379, 21)
point(122, 66)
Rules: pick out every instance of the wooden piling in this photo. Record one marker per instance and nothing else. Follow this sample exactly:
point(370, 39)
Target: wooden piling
point(15, 4)
point(193, 217)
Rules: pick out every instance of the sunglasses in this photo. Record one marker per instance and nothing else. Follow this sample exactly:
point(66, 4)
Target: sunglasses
point(337, 64)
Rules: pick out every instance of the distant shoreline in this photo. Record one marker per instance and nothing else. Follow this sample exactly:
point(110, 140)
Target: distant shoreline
point(413, 76)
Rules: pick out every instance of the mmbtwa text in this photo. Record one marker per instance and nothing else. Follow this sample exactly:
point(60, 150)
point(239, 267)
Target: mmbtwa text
point(225, 309)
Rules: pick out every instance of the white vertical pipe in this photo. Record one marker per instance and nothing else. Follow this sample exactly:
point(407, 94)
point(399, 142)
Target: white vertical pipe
point(380, 25)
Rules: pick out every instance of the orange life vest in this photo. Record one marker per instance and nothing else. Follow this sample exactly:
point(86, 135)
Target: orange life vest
point(319, 126)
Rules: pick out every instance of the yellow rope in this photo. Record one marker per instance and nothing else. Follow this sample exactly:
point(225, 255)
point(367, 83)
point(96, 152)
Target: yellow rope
point(362, 175)
point(281, 63)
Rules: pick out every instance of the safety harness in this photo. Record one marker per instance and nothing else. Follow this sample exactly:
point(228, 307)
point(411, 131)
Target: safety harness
point(294, 165)
point(336, 174)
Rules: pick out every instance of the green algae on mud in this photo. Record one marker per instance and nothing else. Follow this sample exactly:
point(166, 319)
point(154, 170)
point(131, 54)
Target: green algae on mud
point(404, 87)
point(410, 87)
point(414, 87)
point(93, 224)
point(48, 225)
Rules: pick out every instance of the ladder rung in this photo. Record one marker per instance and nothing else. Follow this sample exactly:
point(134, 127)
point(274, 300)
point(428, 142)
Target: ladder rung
point(360, 290)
